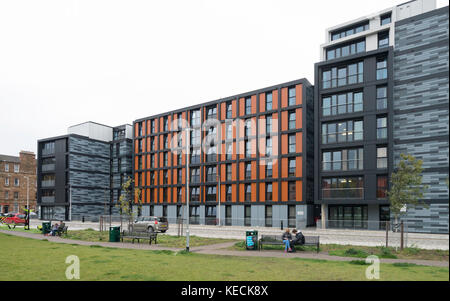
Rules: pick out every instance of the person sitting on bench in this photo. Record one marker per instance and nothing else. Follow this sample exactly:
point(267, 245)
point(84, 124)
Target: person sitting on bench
point(299, 239)
point(286, 240)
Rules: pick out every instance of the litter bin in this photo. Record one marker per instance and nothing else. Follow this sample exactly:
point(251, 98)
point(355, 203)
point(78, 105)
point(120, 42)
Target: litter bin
point(251, 240)
point(46, 227)
point(114, 234)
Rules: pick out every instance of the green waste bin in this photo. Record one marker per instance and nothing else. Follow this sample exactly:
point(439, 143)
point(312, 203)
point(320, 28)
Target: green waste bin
point(46, 227)
point(114, 234)
point(251, 240)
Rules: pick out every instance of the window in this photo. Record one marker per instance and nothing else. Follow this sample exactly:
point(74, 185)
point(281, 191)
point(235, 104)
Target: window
point(140, 129)
point(346, 49)
point(16, 182)
point(166, 124)
point(291, 143)
point(179, 197)
point(291, 96)
point(16, 167)
point(179, 159)
point(291, 216)
point(346, 75)
point(165, 141)
point(228, 195)
point(211, 154)
point(269, 147)
point(248, 106)
point(140, 166)
point(165, 199)
point(195, 118)
point(382, 68)
point(248, 149)
point(229, 135)
point(229, 110)
point(382, 128)
point(210, 215)
point(212, 112)
point(383, 39)
point(345, 131)
point(381, 157)
point(291, 120)
point(382, 186)
point(16, 196)
point(342, 103)
point(248, 128)
point(385, 19)
point(6, 195)
point(211, 193)
point(165, 176)
point(292, 167)
point(229, 172)
point(247, 215)
point(291, 191)
point(195, 137)
point(268, 215)
point(229, 151)
point(194, 215)
point(195, 155)
point(48, 148)
point(269, 101)
point(195, 194)
point(179, 175)
point(248, 171)
point(211, 174)
point(195, 175)
point(268, 191)
point(166, 159)
point(349, 187)
point(152, 161)
point(153, 126)
point(269, 168)
point(6, 181)
point(248, 192)
point(268, 124)
point(7, 167)
point(346, 159)
point(381, 98)
point(357, 28)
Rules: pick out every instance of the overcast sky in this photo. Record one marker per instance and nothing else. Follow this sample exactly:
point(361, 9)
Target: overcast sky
point(66, 62)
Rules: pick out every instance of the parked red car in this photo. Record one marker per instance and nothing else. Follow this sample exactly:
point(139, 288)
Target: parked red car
point(14, 219)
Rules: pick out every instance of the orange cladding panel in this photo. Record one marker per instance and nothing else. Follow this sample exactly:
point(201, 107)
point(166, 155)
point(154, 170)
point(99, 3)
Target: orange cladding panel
point(298, 118)
point(298, 94)
point(284, 191)
point(253, 100)
point(298, 167)
point(298, 142)
point(299, 191)
point(275, 100)
point(284, 121)
point(275, 191)
point(284, 97)
point(262, 102)
point(284, 167)
point(262, 192)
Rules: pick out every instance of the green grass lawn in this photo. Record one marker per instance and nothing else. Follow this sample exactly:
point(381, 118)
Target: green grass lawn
point(363, 252)
point(164, 240)
point(29, 259)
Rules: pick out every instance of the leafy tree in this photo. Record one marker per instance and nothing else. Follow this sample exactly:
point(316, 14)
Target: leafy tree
point(129, 195)
point(406, 185)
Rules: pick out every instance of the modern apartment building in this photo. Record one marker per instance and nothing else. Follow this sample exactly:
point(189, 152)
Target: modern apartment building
point(80, 174)
point(250, 159)
point(17, 182)
point(381, 89)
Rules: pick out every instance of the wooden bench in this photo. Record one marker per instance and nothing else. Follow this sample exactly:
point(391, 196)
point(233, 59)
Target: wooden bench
point(138, 235)
point(277, 240)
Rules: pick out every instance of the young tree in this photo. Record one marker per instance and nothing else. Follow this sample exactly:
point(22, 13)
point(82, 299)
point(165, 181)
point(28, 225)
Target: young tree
point(406, 185)
point(129, 195)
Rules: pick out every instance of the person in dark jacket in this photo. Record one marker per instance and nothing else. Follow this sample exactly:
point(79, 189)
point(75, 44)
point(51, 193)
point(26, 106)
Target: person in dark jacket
point(298, 239)
point(287, 240)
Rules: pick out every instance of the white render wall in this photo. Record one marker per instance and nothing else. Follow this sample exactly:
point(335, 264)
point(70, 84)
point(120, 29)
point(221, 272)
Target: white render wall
point(92, 130)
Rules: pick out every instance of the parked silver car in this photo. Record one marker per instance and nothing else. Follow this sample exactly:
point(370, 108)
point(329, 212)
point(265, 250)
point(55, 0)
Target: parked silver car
point(151, 224)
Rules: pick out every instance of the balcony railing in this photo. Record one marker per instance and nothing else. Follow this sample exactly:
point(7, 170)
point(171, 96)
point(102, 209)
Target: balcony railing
point(336, 193)
point(48, 183)
point(48, 167)
point(48, 152)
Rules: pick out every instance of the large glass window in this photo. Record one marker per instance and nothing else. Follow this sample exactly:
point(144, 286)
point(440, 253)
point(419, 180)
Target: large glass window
point(292, 191)
point(268, 191)
point(382, 187)
point(268, 124)
point(211, 174)
point(229, 110)
point(346, 159)
point(383, 39)
point(248, 171)
point(268, 215)
point(345, 131)
point(228, 195)
point(269, 147)
point(195, 175)
point(342, 103)
point(292, 167)
point(248, 106)
point(346, 49)
point(342, 33)
point(385, 19)
point(195, 194)
point(212, 112)
point(269, 169)
point(195, 155)
point(342, 76)
point(248, 192)
point(229, 172)
point(195, 118)
point(211, 193)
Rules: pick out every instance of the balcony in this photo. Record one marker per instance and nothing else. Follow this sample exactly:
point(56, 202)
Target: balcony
point(347, 193)
point(46, 152)
point(48, 183)
point(48, 199)
point(48, 167)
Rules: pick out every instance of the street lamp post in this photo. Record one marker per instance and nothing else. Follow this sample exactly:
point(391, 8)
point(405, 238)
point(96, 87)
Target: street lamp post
point(28, 203)
point(187, 188)
point(70, 202)
point(220, 192)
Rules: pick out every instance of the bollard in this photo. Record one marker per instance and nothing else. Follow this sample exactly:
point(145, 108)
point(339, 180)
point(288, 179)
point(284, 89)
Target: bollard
point(82, 219)
point(281, 225)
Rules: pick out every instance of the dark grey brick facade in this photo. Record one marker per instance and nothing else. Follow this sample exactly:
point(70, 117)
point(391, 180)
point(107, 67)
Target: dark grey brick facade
point(421, 113)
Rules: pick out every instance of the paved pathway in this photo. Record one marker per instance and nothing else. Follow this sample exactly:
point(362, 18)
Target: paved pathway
point(221, 249)
point(327, 236)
